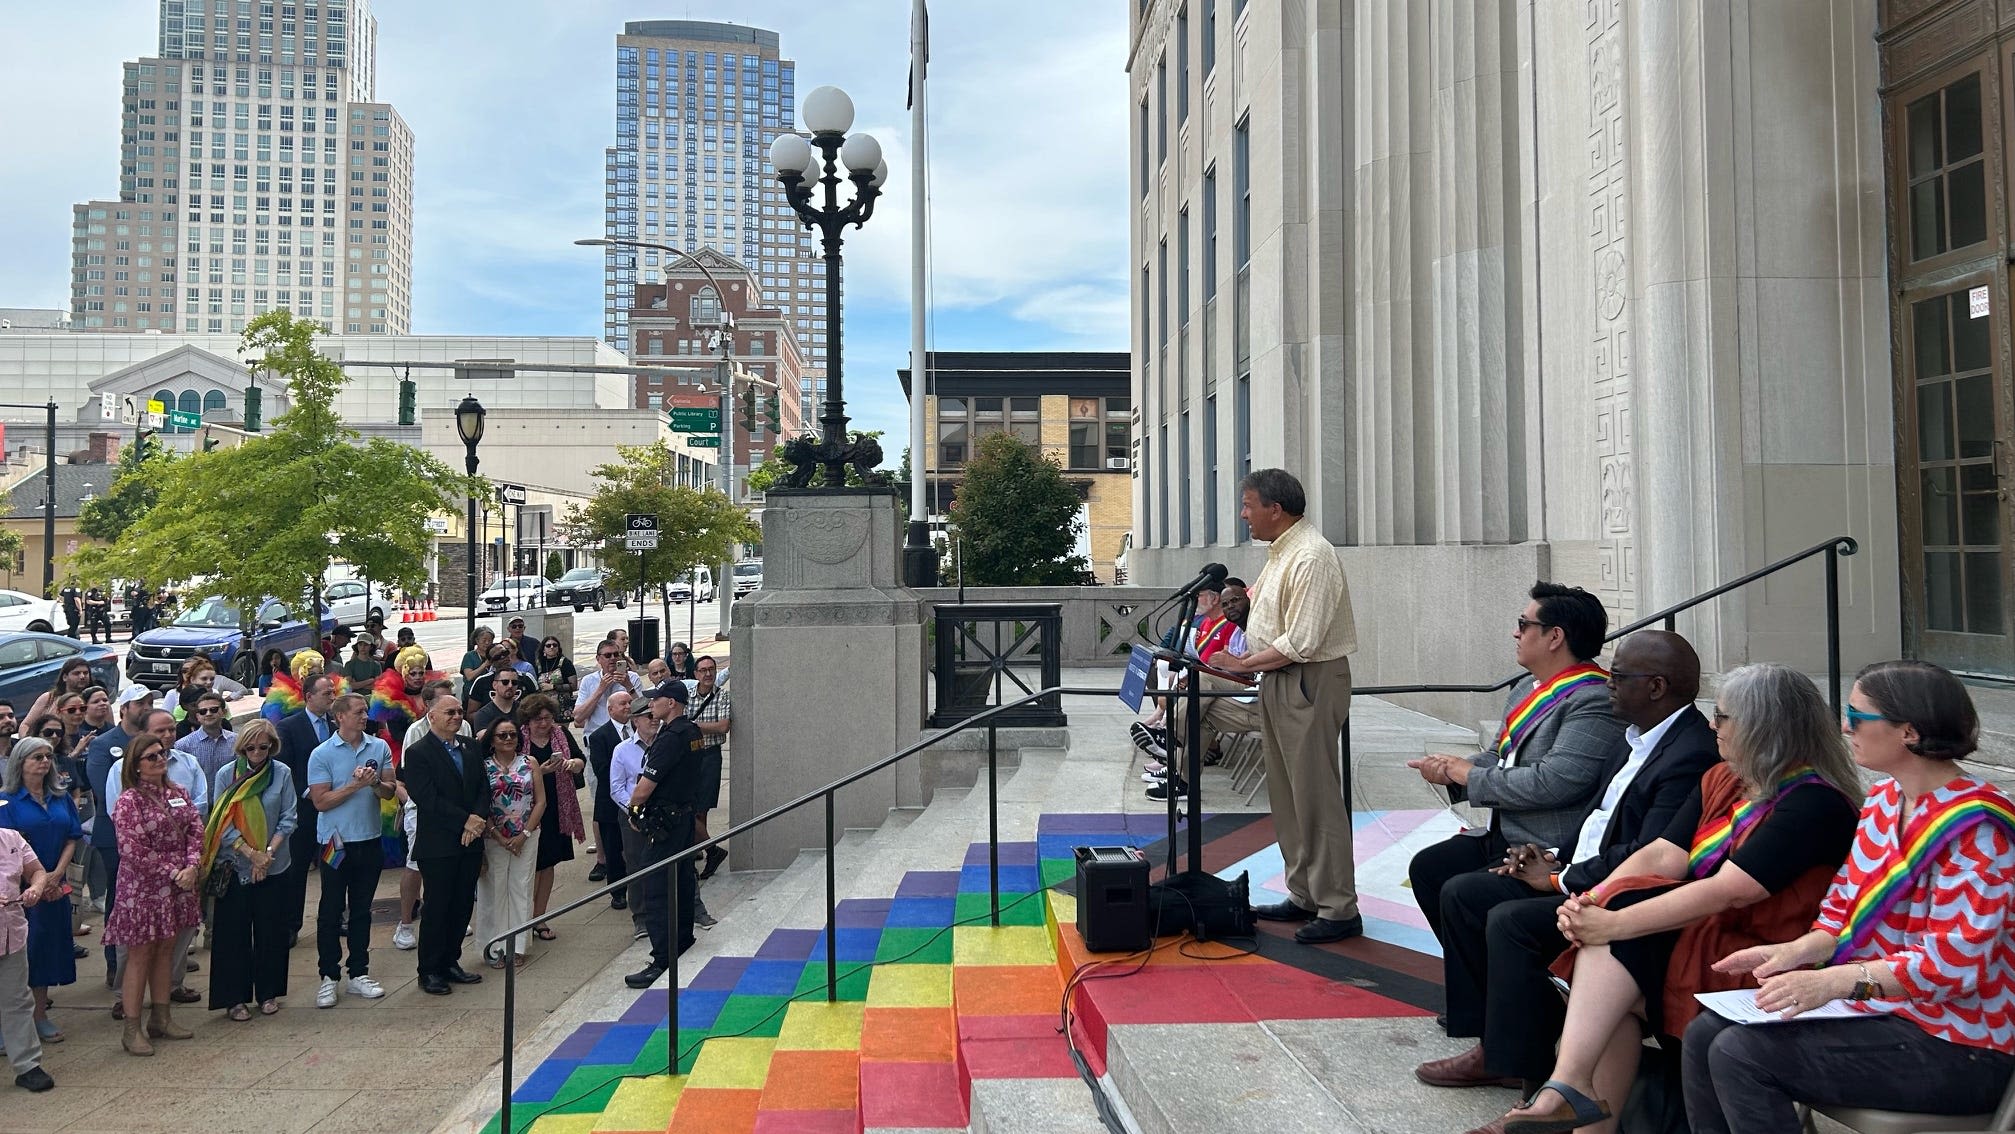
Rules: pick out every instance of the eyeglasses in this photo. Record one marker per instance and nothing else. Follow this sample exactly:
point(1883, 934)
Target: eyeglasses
point(41, 756)
point(208, 711)
point(1618, 677)
point(1525, 624)
point(71, 709)
point(51, 734)
point(260, 746)
point(1856, 718)
point(512, 735)
point(1721, 718)
point(608, 657)
point(552, 645)
point(154, 758)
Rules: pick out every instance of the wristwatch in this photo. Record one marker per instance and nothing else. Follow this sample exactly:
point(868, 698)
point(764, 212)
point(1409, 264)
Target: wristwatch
point(1865, 988)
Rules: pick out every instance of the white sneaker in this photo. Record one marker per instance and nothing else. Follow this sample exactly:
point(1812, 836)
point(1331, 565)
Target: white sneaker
point(325, 996)
point(365, 987)
point(402, 937)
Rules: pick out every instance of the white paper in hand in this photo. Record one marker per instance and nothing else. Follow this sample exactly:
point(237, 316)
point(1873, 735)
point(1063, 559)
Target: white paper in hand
point(1739, 1006)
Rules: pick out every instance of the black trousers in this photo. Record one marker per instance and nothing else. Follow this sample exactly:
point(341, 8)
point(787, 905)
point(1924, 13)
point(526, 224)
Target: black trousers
point(304, 852)
point(110, 857)
point(345, 908)
point(248, 942)
point(636, 852)
point(448, 898)
point(1431, 869)
point(615, 858)
point(657, 894)
point(1745, 1080)
point(1498, 936)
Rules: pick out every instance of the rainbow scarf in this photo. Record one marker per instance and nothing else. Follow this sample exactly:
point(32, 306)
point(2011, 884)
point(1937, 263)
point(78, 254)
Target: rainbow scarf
point(1713, 841)
point(239, 807)
point(1932, 830)
point(1526, 715)
point(284, 697)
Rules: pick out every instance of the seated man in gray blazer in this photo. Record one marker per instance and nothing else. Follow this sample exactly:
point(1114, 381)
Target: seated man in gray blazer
point(1541, 774)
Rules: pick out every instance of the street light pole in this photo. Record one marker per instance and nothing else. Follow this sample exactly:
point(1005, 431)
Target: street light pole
point(829, 113)
point(49, 493)
point(469, 425)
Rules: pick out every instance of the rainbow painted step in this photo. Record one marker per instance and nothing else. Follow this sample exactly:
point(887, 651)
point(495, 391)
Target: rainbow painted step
point(926, 1005)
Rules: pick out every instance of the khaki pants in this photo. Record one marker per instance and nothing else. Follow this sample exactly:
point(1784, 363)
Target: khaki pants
point(1301, 711)
point(1220, 714)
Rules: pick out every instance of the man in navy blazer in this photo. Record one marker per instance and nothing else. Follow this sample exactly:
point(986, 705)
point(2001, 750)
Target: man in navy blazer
point(1498, 926)
point(450, 789)
point(300, 732)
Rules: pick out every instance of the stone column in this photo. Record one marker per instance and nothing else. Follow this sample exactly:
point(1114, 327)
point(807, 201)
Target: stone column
point(828, 670)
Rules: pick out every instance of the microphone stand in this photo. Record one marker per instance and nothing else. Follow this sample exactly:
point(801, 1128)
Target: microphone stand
point(1192, 741)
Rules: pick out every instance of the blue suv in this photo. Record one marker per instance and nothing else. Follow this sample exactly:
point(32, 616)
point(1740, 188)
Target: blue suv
point(214, 627)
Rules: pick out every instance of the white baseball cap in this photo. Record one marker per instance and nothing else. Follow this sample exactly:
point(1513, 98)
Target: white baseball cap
point(132, 693)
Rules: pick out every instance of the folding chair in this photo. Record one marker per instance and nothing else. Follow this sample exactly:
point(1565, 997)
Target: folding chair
point(1870, 1121)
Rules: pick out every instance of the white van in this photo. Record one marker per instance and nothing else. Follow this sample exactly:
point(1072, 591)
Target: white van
point(699, 579)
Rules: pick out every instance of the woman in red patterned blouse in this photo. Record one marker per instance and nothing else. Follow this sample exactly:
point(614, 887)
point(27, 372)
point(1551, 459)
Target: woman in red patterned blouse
point(1913, 938)
point(160, 846)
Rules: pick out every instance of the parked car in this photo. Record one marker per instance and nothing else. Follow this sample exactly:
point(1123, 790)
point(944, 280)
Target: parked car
point(29, 661)
point(513, 592)
point(682, 590)
point(215, 626)
point(748, 577)
point(583, 587)
point(22, 611)
point(351, 601)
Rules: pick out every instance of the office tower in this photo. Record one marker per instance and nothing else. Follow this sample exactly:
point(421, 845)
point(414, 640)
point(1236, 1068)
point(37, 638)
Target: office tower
point(697, 105)
point(258, 170)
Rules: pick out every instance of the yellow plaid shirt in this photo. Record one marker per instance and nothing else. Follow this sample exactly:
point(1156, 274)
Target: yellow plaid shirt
point(1300, 602)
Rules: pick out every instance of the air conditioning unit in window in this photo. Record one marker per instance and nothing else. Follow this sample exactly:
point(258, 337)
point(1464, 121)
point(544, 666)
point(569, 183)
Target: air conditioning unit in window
point(1118, 464)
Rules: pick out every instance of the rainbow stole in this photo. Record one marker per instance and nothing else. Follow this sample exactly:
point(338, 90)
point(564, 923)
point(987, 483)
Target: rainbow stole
point(1934, 829)
point(1526, 715)
point(283, 698)
point(1712, 842)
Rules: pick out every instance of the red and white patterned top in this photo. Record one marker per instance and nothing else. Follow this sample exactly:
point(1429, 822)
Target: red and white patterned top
point(1949, 941)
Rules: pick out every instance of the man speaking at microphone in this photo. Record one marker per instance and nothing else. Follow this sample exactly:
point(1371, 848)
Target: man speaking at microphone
point(1300, 634)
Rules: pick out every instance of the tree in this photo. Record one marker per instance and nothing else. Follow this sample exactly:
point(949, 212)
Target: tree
point(695, 525)
point(554, 569)
point(134, 489)
point(1017, 517)
point(267, 517)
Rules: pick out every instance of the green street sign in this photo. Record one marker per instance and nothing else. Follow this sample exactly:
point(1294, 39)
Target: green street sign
point(181, 420)
point(705, 441)
point(696, 419)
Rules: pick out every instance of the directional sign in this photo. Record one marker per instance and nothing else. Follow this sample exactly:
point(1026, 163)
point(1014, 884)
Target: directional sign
point(641, 522)
point(156, 406)
point(511, 493)
point(183, 420)
point(696, 420)
point(704, 440)
point(437, 525)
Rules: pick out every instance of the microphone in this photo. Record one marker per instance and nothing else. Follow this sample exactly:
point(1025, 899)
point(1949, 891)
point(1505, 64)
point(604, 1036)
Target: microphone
point(1213, 575)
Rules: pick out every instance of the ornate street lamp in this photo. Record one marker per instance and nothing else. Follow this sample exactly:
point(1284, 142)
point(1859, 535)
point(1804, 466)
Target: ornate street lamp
point(829, 113)
point(469, 424)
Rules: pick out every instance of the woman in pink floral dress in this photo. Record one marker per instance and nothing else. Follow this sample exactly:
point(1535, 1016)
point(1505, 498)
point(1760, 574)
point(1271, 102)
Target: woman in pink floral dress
point(511, 842)
point(160, 834)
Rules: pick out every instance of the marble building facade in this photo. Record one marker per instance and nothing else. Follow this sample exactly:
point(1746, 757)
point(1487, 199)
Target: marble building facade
point(1591, 290)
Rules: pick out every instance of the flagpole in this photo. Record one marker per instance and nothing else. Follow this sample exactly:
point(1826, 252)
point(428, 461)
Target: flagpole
point(919, 558)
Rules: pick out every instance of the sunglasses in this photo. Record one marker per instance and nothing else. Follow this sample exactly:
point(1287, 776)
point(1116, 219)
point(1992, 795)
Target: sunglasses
point(552, 645)
point(260, 746)
point(71, 709)
point(41, 756)
point(511, 735)
point(209, 711)
point(51, 734)
point(1525, 624)
point(154, 758)
point(1856, 718)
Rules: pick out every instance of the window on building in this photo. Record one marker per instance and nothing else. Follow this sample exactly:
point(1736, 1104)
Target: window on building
point(1947, 170)
point(1210, 496)
point(1182, 66)
point(1182, 455)
point(1241, 429)
point(1241, 244)
point(1161, 111)
point(1209, 37)
point(1146, 168)
point(706, 307)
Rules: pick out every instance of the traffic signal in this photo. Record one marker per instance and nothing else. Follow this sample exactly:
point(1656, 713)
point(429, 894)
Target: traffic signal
point(409, 399)
point(749, 409)
point(143, 440)
point(773, 414)
point(253, 397)
point(209, 441)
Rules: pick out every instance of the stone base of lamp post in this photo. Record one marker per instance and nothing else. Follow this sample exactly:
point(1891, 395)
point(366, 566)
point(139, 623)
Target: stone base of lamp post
point(828, 670)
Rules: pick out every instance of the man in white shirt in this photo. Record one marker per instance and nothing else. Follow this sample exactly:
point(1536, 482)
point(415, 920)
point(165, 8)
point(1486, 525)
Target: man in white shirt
point(1498, 928)
point(626, 765)
point(611, 672)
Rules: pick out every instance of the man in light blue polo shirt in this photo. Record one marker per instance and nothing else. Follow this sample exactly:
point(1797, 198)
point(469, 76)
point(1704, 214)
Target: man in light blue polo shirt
point(347, 775)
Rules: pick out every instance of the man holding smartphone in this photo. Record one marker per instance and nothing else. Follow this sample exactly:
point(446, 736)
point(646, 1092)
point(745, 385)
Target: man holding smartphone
point(612, 672)
point(347, 775)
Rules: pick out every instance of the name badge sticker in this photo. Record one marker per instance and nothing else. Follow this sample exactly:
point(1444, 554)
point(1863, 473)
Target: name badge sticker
point(178, 801)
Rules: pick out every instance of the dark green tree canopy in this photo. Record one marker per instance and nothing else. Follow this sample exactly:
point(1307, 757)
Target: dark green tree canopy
point(695, 525)
point(1016, 516)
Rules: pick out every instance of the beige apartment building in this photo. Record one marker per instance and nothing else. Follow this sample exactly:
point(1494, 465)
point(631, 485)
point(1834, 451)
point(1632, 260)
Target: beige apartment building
point(257, 171)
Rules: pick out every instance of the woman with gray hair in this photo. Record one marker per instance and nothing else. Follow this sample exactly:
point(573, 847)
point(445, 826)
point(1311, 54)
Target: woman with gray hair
point(1746, 862)
point(48, 820)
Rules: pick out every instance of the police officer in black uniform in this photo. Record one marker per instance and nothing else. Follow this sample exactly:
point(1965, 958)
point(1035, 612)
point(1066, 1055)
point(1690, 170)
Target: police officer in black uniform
point(662, 808)
point(73, 609)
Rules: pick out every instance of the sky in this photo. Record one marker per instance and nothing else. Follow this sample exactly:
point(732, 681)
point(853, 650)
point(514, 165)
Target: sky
point(513, 101)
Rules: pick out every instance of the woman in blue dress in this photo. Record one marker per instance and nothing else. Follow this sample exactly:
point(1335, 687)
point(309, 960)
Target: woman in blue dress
point(30, 804)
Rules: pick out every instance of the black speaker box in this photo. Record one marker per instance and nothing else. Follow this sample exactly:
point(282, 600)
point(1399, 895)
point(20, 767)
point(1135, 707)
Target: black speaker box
point(1112, 902)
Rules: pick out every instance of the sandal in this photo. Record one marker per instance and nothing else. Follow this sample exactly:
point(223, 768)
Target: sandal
point(269, 1008)
point(545, 933)
point(1578, 1110)
point(240, 1013)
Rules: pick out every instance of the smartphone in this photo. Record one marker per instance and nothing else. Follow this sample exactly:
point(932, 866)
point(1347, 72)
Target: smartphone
point(371, 764)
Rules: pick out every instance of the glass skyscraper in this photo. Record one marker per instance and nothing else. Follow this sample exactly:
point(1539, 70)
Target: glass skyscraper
point(697, 105)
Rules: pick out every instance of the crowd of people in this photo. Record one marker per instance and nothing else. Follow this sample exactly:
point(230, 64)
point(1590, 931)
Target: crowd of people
point(182, 822)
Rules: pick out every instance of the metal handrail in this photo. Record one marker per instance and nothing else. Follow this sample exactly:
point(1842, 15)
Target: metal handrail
point(985, 719)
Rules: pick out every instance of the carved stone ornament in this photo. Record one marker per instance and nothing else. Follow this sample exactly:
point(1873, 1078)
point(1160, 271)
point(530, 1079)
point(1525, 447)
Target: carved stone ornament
point(830, 537)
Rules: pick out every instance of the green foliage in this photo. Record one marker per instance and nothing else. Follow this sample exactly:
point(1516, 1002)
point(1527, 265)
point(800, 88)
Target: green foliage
point(695, 526)
point(134, 489)
point(265, 518)
point(1017, 517)
point(554, 569)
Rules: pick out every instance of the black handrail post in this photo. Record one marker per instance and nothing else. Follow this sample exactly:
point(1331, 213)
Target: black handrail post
point(510, 1024)
point(1672, 624)
point(1833, 627)
point(671, 870)
point(1349, 810)
point(832, 907)
point(994, 822)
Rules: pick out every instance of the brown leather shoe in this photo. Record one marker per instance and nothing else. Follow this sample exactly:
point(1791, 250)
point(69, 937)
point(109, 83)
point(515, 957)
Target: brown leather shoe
point(1465, 1070)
